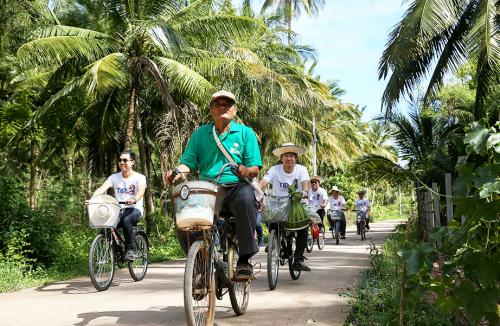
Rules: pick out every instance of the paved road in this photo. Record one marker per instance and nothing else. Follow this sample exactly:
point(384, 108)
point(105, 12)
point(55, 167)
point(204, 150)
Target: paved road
point(158, 299)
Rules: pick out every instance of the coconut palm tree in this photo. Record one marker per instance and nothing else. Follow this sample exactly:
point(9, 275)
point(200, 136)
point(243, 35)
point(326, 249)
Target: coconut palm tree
point(289, 8)
point(425, 144)
point(436, 38)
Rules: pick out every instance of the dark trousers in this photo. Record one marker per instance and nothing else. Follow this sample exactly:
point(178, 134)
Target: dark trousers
point(301, 244)
point(239, 202)
point(128, 219)
point(342, 222)
point(259, 229)
point(321, 213)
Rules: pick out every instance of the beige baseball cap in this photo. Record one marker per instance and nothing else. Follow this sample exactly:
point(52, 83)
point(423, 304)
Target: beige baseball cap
point(226, 94)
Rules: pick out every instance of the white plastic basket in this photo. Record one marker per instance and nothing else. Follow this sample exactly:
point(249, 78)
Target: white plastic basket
point(361, 215)
point(104, 212)
point(336, 214)
point(195, 204)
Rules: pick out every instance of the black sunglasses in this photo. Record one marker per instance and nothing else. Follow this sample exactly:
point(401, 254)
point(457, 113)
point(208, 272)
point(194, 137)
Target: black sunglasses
point(314, 182)
point(124, 160)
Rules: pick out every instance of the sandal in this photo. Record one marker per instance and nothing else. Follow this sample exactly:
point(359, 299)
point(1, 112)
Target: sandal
point(244, 271)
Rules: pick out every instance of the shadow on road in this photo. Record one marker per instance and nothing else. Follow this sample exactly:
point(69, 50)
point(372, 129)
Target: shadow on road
point(171, 315)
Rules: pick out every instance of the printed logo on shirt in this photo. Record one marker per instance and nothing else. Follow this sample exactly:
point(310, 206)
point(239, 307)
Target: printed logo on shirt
point(236, 149)
point(285, 185)
point(131, 190)
point(316, 197)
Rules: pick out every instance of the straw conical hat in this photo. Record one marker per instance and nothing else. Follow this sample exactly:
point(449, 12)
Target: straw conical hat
point(289, 148)
point(316, 177)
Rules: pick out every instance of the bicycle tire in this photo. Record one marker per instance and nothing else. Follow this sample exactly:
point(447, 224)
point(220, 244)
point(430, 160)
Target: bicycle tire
point(273, 263)
point(199, 299)
point(239, 292)
point(321, 241)
point(294, 273)
point(363, 232)
point(337, 232)
point(101, 263)
point(139, 266)
point(310, 239)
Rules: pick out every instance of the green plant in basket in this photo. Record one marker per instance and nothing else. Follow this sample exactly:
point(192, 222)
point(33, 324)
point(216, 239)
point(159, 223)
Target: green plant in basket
point(298, 216)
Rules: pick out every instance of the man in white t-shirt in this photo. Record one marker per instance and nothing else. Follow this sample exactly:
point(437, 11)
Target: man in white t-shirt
point(364, 205)
point(129, 188)
point(281, 177)
point(318, 198)
point(337, 203)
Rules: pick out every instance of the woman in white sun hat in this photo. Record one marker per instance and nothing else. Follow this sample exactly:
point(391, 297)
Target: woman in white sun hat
point(337, 202)
point(363, 205)
point(281, 177)
point(318, 198)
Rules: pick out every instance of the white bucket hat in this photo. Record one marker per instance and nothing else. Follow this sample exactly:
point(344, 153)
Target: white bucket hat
point(289, 148)
point(316, 177)
point(362, 191)
point(335, 188)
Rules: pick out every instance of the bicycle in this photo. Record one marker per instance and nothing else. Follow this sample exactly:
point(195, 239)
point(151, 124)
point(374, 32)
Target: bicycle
point(108, 251)
point(361, 220)
point(281, 244)
point(314, 234)
point(335, 218)
point(211, 262)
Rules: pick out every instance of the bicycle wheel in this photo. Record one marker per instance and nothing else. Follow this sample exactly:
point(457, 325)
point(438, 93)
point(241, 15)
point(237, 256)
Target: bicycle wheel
point(273, 263)
point(294, 273)
point(199, 296)
point(337, 232)
point(310, 239)
point(321, 241)
point(101, 263)
point(363, 231)
point(139, 266)
point(239, 292)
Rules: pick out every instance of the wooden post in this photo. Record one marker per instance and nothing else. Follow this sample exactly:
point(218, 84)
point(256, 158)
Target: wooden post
point(437, 213)
point(420, 207)
point(399, 201)
point(449, 193)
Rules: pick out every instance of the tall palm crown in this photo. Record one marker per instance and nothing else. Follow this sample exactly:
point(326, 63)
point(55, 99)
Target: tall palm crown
point(437, 37)
point(291, 8)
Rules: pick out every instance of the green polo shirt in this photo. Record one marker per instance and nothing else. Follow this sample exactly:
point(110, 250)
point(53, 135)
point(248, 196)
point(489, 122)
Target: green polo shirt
point(203, 154)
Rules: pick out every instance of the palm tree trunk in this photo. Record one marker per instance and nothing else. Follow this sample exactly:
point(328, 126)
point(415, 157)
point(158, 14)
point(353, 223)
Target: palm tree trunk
point(32, 174)
point(89, 182)
point(145, 171)
point(131, 112)
point(288, 15)
point(164, 170)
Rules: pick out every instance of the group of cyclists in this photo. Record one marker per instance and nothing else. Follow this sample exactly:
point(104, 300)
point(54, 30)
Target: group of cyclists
point(205, 155)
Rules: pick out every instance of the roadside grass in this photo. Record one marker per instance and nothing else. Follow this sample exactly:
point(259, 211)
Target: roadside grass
point(376, 299)
point(16, 275)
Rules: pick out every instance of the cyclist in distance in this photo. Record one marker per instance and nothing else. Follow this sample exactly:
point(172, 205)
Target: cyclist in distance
point(318, 198)
point(363, 205)
point(129, 187)
point(337, 202)
point(281, 177)
point(202, 154)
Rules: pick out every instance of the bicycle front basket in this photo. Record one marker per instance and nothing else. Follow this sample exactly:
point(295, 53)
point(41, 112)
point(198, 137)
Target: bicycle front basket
point(336, 214)
point(277, 209)
point(361, 215)
point(104, 212)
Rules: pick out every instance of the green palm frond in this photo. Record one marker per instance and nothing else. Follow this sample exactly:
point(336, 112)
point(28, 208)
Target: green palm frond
point(381, 169)
point(61, 30)
point(105, 75)
point(55, 50)
point(185, 80)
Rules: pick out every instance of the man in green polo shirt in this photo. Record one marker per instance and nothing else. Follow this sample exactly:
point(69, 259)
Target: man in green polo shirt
point(202, 154)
